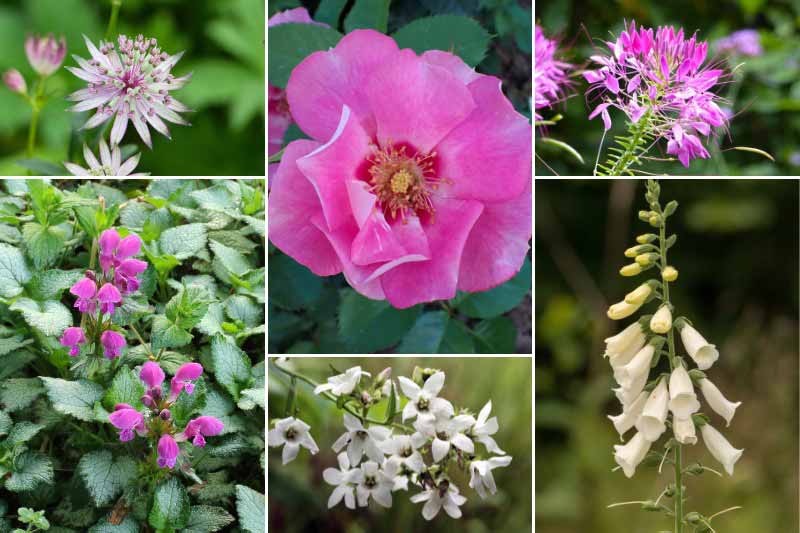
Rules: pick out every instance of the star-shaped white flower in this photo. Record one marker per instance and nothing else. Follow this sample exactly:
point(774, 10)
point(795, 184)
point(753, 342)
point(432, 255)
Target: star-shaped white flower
point(360, 440)
point(404, 460)
point(481, 478)
point(375, 483)
point(440, 498)
point(342, 383)
point(484, 427)
point(344, 479)
point(292, 433)
point(423, 402)
point(446, 431)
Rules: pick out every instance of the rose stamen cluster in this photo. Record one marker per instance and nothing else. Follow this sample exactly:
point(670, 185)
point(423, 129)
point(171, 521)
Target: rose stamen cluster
point(550, 75)
point(102, 293)
point(662, 77)
point(155, 421)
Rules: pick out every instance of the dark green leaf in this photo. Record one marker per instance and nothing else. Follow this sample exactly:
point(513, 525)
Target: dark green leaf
point(497, 335)
point(452, 33)
point(329, 12)
point(289, 44)
point(292, 286)
point(436, 332)
point(499, 300)
point(371, 14)
point(170, 506)
point(370, 325)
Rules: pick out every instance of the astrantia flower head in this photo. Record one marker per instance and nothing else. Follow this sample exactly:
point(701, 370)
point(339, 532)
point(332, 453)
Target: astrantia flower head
point(130, 81)
point(110, 163)
point(741, 42)
point(14, 81)
point(662, 78)
point(45, 54)
point(550, 75)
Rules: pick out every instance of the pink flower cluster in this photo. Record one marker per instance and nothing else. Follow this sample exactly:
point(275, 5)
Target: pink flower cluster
point(416, 181)
point(119, 277)
point(550, 77)
point(742, 43)
point(45, 55)
point(156, 419)
point(664, 76)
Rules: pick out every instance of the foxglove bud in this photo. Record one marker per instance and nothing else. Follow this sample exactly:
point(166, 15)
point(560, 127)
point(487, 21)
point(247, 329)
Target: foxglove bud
point(646, 259)
point(622, 310)
point(630, 270)
point(662, 320)
point(669, 273)
point(14, 81)
point(640, 294)
point(647, 238)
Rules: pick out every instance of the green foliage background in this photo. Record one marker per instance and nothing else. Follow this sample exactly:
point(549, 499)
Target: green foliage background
point(224, 45)
point(767, 103)
point(737, 254)
point(298, 496)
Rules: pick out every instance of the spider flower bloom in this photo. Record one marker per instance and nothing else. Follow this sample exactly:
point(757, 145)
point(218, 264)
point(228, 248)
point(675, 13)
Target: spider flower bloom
point(130, 82)
point(14, 81)
point(127, 420)
point(416, 180)
point(85, 289)
point(741, 42)
point(110, 163)
point(112, 343)
point(168, 451)
point(184, 377)
point(662, 78)
point(200, 427)
point(72, 337)
point(549, 74)
point(45, 54)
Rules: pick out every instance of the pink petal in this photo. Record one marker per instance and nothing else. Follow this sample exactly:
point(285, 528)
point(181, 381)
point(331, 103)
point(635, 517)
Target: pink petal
point(293, 203)
point(454, 64)
point(416, 102)
point(488, 156)
point(375, 242)
point(119, 127)
point(611, 82)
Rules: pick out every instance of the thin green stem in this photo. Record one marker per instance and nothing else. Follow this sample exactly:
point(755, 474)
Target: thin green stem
point(628, 157)
point(36, 107)
point(112, 21)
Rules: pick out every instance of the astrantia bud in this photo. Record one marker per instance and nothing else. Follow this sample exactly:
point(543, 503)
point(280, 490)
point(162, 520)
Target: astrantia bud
point(630, 270)
point(703, 353)
point(652, 423)
point(45, 54)
point(622, 310)
point(720, 448)
point(683, 400)
point(723, 407)
point(669, 273)
point(662, 320)
point(684, 430)
point(14, 81)
point(629, 455)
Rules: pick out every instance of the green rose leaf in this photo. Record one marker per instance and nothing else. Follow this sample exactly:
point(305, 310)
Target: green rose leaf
point(436, 332)
point(370, 325)
point(289, 44)
point(371, 14)
point(497, 335)
point(462, 36)
point(501, 299)
point(292, 286)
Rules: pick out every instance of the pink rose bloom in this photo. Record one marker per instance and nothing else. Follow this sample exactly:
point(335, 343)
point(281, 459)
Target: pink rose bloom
point(417, 182)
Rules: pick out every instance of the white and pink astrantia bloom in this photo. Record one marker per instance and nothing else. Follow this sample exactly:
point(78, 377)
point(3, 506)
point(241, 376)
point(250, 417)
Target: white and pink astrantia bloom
point(665, 77)
point(131, 82)
point(416, 180)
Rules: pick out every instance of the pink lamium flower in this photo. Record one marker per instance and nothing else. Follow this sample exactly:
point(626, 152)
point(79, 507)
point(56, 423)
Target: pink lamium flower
point(742, 43)
point(200, 427)
point(112, 343)
point(109, 296)
point(85, 289)
point(184, 377)
point(72, 337)
point(168, 451)
point(416, 182)
point(131, 82)
point(663, 78)
point(152, 375)
point(110, 163)
point(127, 420)
point(14, 81)
point(125, 275)
point(550, 78)
point(45, 54)
point(113, 250)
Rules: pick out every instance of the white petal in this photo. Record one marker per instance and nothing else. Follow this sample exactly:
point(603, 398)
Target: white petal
point(440, 449)
point(275, 437)
point(341, 442)
point(333, 476)
point(337, 495)
point(434, 384)
point(431, 508)
point(462, 442)
point(410, 389)
point(290, 451)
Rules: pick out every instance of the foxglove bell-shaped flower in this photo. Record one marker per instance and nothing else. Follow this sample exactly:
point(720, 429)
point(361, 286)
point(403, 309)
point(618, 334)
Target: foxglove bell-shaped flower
point(131, 82)
point(184, 379)
point(629, 455)
point(437, 498)
point(108, 296)
point(344, 480)
point(684, 430)
point(424, 402)
point(662, 320)
point(627, 375)
point(291, 433)
point(112, 343)
point(447, 432)
point(342, 384)
point(168, 451)
point(630, 414)
point(375, 483)
point(128, 420)
point(481, 478)
point(682, 398)
point(720, 448)
point(703, 353)
point(550, 78)
point(201, 427)
point(72, 337)
point(652, 423)
point(85, 289)
point(360, 440)
point(722, 406)
point(45, 54)
point(110, 163)
point(632, 338)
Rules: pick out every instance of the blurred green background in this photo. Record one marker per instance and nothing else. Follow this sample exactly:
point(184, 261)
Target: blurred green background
point(767, 88)
point(298, 495)
point(224, 45)
point(737, 254)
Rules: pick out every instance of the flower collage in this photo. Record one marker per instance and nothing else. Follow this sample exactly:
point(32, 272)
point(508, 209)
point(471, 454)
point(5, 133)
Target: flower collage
point(373, 266)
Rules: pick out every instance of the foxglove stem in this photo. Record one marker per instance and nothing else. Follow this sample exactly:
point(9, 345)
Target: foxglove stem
point(112, 22)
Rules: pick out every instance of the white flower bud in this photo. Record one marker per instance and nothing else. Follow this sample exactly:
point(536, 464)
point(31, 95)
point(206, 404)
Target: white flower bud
point(652, 423)
point(630, 414)
point(630, 270)
point(723, 407)
point(662, 320)
point(720, 448)
point(622, 310)
point(639, 294)
point(640, 365)
point(629, 455)
point(683, 400)
point(684, 431)
point(703, 353)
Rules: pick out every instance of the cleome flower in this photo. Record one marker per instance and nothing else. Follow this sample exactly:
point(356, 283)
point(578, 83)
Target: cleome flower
point(110, 163)
point(130, 81)
point(550, 75)
point(662, 78)
point(398, 187)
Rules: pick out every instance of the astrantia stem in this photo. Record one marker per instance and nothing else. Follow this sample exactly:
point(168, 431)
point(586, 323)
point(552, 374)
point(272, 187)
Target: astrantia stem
point(112, 21)
point(36, 107)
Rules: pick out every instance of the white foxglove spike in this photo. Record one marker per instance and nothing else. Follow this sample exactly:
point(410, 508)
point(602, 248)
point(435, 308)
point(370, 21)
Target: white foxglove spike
point(627, 375)
point(652, 423)
point(703, 353)
point(682, 398)
point(629, 455)
point(723, 407)
point(625, 340)
point(684, 431)
point(662, 320)
point(630, 414)
point(720, 448)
